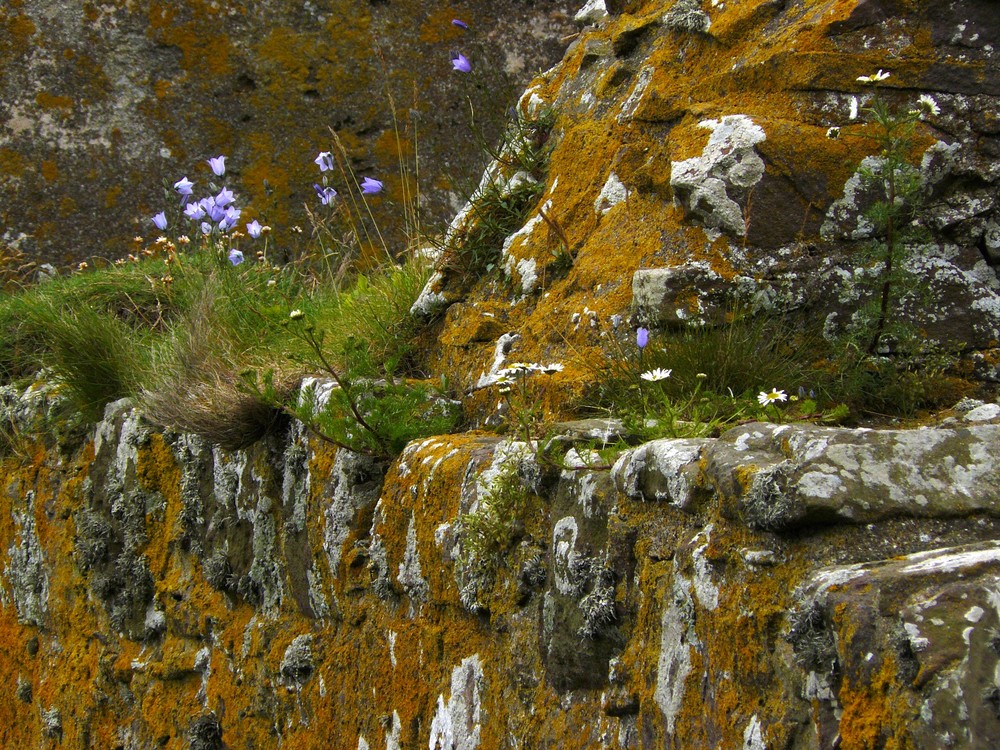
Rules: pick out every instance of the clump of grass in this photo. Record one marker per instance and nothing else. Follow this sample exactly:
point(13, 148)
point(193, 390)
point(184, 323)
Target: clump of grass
point(899, 386)
point(360, 339)
point(747, 354)
point(700, 379)
point(198, 390)
point(489, 532)
point(99, 358)
point(496, 211)
point(511, 187)
point(91, 331)
point(696, 380)
point(368, 327)
point(229, 325)
point(38, 321)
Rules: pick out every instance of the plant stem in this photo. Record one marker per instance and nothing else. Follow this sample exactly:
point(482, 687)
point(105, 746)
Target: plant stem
point(314, 344)
point(890, 242)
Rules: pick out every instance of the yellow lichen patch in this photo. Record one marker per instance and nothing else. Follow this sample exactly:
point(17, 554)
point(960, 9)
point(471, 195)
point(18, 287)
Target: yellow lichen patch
point(50, 171)
point(67, 206)
point(111, 196)
point(426, 483)
point(18, 664)
point(871, 708)
point(19, 29)
point(48, 100)
point(201, 51)
point(437, 28)
point(12, 163)
point(162, 88)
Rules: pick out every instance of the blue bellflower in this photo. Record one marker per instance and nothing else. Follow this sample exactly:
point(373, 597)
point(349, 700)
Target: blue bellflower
point(183, 186)
point(642, 337)
point(218, 165)
point(225, 197)
point(326, 194)
point(325, 161)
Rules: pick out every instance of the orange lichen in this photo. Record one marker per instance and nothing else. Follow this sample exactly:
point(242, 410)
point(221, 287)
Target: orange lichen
point(111, 196)
point(19, 28)
point(48, 100)
point(49, 170)
point(437, 28)
point(872, 708)
point(12, 163)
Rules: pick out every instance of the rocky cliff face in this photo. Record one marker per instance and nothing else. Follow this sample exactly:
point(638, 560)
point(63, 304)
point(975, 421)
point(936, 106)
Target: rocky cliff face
point(104, 102)
point(779, 586)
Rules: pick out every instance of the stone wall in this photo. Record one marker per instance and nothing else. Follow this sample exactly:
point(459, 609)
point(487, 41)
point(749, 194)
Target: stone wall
point(158, 592)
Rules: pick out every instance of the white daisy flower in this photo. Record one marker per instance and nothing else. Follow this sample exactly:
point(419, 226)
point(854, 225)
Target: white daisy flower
point(881, 75)
point(769, 397)
point(928, 105)
point(658, 374)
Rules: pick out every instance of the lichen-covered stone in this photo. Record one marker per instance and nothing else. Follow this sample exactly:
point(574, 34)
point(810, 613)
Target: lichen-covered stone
point(662, 471)
point(783, 475)
point(700, 594)
point(104, 103)
point(712, 186)
point(918, 635)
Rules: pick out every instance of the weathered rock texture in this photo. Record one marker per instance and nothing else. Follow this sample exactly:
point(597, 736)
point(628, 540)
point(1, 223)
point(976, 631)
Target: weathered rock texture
point(158, 592)
point(100, 103)
point(780, 586)
point(692, 172)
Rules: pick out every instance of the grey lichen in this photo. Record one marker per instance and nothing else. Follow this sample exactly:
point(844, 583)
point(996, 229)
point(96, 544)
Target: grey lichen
point(94, 538)
point(25, 692)
point(687, 16)
point(126, 587)
point(297, 664)
point(598, 606)
point(811, 639)
point(194, 455)
point(27, 571)
point(766, 505)
point(378, 561)
point(205, 733)
point(52, 723)
point(677, 640)
point(218, 571)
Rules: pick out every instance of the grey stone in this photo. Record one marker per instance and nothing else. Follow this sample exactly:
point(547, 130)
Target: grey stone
point(689, 293)
point(661, 471)
point(932, 618)
point(775, 476)
point(711, 186)
point(457, 722)
point(297, 663)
